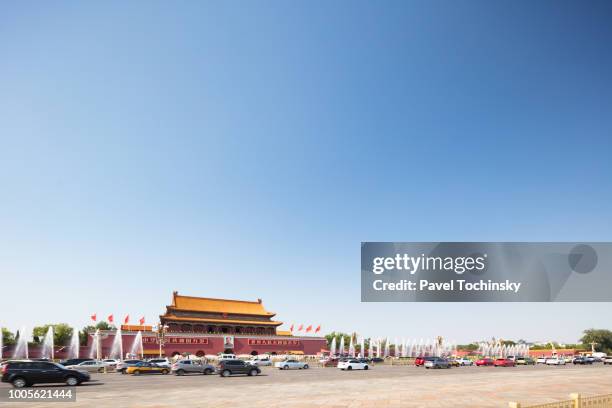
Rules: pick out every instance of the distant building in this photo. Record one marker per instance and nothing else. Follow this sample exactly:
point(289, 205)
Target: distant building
point(189, 314)
point(205, 326)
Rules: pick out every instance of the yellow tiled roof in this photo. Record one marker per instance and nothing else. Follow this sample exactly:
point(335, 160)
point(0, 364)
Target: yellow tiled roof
point(226, 321)
point(200, 304)
point(283, 333)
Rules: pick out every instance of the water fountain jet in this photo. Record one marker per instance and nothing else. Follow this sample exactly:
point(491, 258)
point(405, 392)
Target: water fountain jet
point(95, 345)
point(73, 348)
point(117, 347)
point(137, 349)
point(21, 349)
point(48, 345)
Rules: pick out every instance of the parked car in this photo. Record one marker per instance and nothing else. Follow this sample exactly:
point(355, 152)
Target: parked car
point(595, 359)
point(464, 361)
point(555, 361)
point(376, 360)
point(419, 361)
point(453, 362)
point(330, 362)
point(227, 357)
point(122, 366)
point(291, 365)
point(353, 364)
point(260, 362)
point(485, 362)
point(183, 367)
point(27, 373)
point(607, 360)
point(232, 367)
point(74, 361)
point(581, 361)
point(541, 360)
point(91, 366)
point(525, 361)
point(112, 362)
point(147, 368)
point(437, 362)
point(504, 362)
point(162, 362)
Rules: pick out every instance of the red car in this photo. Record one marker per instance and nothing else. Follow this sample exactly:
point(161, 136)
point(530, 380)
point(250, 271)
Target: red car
point(420, 361)
point(504, 362)
point(485, 362)
point(331, 362)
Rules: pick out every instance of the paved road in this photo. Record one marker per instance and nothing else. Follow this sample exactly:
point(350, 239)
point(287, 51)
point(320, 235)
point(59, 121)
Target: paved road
point(382, 386)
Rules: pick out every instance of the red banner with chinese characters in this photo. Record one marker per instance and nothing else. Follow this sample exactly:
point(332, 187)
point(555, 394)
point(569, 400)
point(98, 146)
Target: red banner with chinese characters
point(175, 340)
point(267, 342)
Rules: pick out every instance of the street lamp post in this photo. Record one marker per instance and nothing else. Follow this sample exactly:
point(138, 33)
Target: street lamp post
point(161, 333)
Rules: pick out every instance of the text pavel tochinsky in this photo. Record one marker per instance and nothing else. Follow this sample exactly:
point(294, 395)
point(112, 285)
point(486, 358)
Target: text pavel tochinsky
point(422, 263)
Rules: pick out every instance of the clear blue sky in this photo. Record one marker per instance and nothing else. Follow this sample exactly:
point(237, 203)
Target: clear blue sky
point(245, 149)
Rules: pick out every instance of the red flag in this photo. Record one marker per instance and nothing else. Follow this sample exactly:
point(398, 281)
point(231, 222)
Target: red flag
point(291, 329)
point(142, 321)
point(318, 329)
point(93, 317)
point(110, 318)
point(309, 328)
point(127, 319)
point(301, 327)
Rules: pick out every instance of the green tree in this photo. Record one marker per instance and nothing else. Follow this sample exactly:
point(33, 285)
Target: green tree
point(105, 326)
point(338, 336)
point(546, 346)
point(467, 347)
point(61, 333)
point(602, 338)
point(83, 334)
point(8, 338)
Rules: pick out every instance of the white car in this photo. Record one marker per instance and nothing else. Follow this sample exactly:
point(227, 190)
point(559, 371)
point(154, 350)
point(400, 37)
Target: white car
point(162, 362)
point(291, 365)
point(260, 362)
point(465, 361)
point(555, 361)
point(607, 360)
point(541, 360)
point(112, 362)
point(352, 365)
point(91, 366)
point(227, 357)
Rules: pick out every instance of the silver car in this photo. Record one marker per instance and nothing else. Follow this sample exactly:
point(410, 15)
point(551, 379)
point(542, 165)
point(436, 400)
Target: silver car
point(183, 367)
point(437, 362)
point(260, 362)
point(92, 366)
